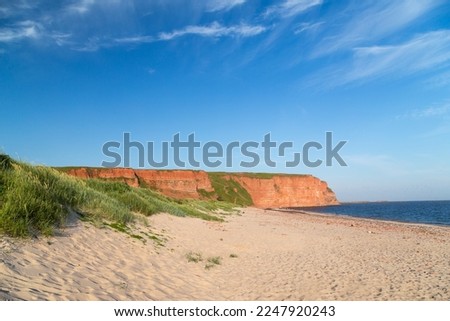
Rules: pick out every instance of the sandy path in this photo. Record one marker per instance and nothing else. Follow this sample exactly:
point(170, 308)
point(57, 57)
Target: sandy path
point(280, 256)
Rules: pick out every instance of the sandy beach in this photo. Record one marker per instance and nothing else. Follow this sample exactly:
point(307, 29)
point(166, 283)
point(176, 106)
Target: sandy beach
point(261, 255)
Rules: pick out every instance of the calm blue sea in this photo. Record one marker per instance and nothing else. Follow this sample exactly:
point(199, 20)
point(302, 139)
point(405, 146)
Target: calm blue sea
point(429, 212)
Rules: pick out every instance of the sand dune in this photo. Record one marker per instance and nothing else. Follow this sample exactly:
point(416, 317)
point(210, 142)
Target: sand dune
point(265, 255)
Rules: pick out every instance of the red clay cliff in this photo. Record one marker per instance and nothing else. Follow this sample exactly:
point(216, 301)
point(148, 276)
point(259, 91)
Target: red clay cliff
point(287, 191)
point(277, 190)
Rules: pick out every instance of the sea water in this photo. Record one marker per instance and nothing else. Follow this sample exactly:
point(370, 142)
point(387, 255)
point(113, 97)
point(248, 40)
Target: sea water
point(427, 212)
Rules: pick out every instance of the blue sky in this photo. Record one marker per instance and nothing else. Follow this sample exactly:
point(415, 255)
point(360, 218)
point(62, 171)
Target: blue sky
point(76, 74)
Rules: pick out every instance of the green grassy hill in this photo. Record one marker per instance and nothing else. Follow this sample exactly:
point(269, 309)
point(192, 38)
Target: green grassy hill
point(36, 199)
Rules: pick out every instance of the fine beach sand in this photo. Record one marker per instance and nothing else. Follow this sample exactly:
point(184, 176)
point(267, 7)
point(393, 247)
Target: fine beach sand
point(280, 256)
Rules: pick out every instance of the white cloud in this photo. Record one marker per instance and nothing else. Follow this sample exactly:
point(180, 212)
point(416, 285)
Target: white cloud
point(214, 30)
point(291, 8)
point(432, 111)
point(136, 39)
point(22, 30)
point(61, 39)
point(16, 8)
point(370, 24)
point(423, 52)
point(307, 27)
point(81, 6)
point(92, 44)
point(222, 5)
point(429, 112)
point(76, 25)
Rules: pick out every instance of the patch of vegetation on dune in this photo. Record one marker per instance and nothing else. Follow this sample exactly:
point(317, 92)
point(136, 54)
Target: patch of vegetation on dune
point(36, 199)
point(229, 190)
point(213, 261)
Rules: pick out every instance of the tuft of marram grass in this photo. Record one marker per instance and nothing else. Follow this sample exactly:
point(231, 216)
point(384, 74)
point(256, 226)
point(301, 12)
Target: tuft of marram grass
point(213, 261)
point(5, 162)
point(35, 199)
point(194, 257)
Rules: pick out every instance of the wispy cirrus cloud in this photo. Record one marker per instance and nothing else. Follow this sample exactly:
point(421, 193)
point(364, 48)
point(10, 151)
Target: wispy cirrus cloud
point(33, 30)
point(281, 16)
point(429, 112)
point(135, 39)
point(15, 8)
point(433, 111)
point(22, 30)
point(214, 30)
point(289, 8)
point(307, 27)
point(71, 24)
point(423, 52)
point(61, 39)
point(80, 6)
point(363, 23)
point(222, 5)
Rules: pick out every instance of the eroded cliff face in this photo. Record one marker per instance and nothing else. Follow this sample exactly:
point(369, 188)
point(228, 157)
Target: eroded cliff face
point(126, 175)
point(265, 190)
point(172, 183)
point(287, 190)
point(175, 183)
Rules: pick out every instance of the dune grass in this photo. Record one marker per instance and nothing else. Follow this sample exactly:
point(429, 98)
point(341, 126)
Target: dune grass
point(213, 261)
point(194, 257)
point(36, 199)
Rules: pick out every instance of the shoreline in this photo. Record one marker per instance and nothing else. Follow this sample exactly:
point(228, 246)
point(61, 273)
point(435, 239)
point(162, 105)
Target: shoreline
point(413, 212)
point(260, 255)
point(351, 217)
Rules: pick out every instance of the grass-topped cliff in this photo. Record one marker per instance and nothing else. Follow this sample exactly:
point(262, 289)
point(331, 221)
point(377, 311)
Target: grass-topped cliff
point(264, 190)
point(229, 190)
point(36, 199)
